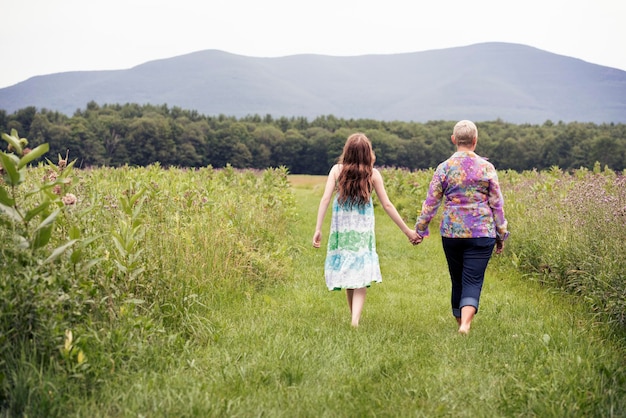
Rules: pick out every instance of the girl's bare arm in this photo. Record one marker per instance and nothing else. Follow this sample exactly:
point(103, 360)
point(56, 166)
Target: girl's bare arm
point(379, 187)
point(324, 202)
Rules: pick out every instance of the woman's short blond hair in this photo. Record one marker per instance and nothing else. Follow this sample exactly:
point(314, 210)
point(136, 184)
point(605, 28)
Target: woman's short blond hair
point(464, 132)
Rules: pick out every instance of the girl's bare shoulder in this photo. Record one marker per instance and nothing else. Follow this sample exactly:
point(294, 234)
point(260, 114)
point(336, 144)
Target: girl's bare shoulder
point(336, 169)
point(334, 172)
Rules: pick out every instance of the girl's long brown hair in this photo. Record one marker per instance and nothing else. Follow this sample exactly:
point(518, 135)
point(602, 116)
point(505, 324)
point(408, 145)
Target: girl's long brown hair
point(355, 180)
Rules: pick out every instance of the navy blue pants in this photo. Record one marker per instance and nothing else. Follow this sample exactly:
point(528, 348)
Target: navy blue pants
point(467, 263)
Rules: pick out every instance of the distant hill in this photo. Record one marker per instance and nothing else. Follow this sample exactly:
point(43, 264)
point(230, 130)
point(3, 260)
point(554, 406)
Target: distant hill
point(483, 82)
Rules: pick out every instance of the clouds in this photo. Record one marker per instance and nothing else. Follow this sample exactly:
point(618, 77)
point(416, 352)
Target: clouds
point(47, 36)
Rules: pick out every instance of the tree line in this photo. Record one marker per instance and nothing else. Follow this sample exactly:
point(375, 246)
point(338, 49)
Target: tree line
point(140, 135)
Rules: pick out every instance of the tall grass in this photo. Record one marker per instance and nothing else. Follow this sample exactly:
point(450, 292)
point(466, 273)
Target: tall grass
point(569, 231)
point(155, 252)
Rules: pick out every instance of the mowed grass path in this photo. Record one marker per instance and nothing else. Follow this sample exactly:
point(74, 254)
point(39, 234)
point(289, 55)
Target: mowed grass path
point(290, 351)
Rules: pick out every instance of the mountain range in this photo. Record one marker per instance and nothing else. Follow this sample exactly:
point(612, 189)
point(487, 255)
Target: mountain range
point(483, 82)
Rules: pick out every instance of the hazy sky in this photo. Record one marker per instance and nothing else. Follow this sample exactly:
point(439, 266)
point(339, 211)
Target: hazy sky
point(40, 37)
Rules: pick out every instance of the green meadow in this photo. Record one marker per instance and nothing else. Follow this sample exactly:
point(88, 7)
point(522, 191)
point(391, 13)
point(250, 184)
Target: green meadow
point(197, 293)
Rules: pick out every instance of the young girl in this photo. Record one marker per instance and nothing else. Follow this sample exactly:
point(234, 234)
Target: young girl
point(351, 260)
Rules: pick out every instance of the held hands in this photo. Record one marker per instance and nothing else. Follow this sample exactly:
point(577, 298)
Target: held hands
point(414, 237)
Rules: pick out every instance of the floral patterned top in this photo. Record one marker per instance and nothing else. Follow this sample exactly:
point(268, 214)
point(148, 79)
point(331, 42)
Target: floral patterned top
point(473, 205)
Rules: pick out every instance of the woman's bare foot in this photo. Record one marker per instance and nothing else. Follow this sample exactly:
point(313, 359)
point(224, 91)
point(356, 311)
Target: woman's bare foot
point(467, 314)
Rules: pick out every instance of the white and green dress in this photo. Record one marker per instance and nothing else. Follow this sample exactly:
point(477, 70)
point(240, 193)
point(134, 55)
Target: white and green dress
point(351, 260)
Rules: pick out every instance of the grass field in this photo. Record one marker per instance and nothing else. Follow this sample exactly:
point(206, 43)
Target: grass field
point(290, 351)
point(197, 293)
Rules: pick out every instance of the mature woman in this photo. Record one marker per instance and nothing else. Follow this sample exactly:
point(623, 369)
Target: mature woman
point(473, 221)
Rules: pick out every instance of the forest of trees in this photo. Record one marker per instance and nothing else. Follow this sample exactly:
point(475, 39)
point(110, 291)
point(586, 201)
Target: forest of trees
point(140, 135)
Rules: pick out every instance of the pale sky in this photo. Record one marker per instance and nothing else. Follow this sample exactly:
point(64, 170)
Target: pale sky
point(39, 37)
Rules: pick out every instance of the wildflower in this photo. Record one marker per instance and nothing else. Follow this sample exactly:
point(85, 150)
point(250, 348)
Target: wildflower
point(51, 176)
point(69, 199)
point(57, 189)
